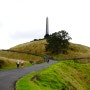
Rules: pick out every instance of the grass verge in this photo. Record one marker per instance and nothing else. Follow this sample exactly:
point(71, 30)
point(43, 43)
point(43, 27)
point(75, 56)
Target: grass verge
point(65, 75)
point(6, 63)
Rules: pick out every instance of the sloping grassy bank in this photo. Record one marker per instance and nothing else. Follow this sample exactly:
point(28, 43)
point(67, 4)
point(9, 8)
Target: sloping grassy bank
point(33, 46)
point(38, 48)
point(65, 75)
point(7, 63)
point(8, 59)
point(75, 51)
point(21, 56)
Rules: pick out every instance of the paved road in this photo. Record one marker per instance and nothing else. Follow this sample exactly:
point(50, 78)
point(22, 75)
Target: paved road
point(9, 77)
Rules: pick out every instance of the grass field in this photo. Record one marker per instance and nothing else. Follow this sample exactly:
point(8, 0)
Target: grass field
point(38, 47)
point(65, 75)
point(75, 50)
point(6, 63)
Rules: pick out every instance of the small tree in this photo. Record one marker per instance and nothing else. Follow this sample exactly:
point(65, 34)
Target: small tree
point(58, 42)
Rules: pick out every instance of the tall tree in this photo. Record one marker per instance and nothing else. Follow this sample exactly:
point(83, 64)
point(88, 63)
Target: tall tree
point(58, 42)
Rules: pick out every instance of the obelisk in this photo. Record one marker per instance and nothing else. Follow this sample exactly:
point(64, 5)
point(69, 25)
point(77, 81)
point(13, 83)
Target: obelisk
point(47, 28)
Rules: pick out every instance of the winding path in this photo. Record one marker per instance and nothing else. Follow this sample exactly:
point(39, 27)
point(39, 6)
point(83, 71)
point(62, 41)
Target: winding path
point(9, 77)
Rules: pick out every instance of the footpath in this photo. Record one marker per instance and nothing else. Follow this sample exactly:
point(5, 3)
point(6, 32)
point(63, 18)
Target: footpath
point(8, 78)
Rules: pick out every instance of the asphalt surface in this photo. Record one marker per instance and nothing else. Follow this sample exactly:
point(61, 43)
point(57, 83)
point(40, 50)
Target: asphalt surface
point(8, 78)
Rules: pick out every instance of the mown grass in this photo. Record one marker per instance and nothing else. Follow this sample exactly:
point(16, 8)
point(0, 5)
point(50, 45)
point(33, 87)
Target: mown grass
point(65, 75)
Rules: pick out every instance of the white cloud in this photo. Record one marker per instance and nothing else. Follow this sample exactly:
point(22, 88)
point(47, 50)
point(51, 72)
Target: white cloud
point(24, 20)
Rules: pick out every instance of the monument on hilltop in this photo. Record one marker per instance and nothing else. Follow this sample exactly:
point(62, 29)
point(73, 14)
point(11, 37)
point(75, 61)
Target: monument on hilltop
point(47, 28)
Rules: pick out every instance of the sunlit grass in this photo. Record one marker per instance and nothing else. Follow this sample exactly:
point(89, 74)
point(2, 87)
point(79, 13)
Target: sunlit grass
point(6, 63)
point(21, 56)
point(38, 47)
point(34, 47)
point(66, 75)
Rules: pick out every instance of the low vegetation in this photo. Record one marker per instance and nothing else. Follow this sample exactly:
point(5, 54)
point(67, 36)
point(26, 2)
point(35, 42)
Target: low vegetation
point(9, 59)
point(65, 75)
point(38, 47)
point(75, 51)
point(7, 63)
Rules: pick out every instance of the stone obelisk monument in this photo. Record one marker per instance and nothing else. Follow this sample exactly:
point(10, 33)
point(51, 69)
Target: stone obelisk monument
point(47, 28)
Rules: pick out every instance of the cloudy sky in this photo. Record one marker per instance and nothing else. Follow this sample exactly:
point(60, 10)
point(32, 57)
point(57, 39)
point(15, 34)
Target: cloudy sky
point(24, 20)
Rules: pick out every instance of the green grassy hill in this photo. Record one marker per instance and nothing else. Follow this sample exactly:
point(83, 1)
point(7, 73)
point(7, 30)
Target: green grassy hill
point(65, 75)
point(33, 46)
point(38, 48)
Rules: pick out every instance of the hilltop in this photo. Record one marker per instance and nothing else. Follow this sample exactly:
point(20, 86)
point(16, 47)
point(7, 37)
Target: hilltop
point(34, 50)
point(38, 47)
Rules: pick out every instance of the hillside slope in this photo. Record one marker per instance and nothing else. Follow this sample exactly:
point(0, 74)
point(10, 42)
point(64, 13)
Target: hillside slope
point(33, 46)
point(38, 47)
point(65, 75)
point(75, 50)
